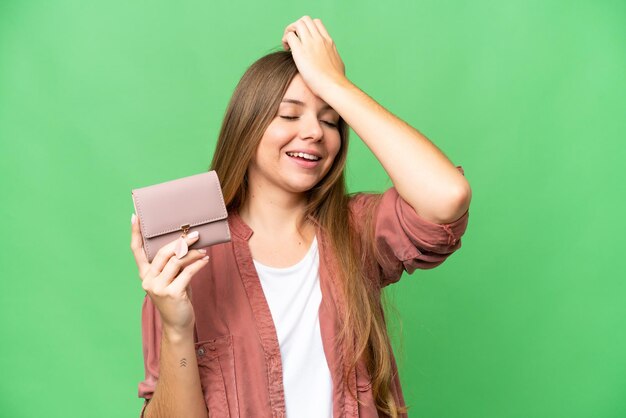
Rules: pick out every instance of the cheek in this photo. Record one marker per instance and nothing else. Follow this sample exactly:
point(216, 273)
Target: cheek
point(276, 135)
point(274, 139)
point(335, 147)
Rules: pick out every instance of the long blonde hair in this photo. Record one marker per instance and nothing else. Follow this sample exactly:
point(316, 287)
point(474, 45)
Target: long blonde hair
point(252, 108)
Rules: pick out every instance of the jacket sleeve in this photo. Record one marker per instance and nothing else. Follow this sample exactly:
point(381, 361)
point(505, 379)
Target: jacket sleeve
point(403, 240)
point(151, 341)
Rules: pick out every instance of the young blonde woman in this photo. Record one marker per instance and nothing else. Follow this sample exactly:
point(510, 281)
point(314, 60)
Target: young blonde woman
point(286, 319)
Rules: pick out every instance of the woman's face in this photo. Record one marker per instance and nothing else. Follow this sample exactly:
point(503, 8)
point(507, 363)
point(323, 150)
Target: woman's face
point(300, 144)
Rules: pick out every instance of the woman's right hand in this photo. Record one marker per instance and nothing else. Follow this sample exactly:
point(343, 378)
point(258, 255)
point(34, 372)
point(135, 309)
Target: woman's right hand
point(167, 278)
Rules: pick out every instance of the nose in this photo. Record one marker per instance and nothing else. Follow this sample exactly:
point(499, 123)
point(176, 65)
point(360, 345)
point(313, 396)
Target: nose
point(311, 128)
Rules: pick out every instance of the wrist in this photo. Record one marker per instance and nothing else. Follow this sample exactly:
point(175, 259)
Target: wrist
point(333, 83)
point(335, 89)
point(176, 335)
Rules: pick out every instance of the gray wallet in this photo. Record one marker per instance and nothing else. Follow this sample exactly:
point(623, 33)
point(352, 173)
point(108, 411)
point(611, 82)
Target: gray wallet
point(173, 209)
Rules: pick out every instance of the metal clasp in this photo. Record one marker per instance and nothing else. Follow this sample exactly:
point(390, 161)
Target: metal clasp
point(185, 229)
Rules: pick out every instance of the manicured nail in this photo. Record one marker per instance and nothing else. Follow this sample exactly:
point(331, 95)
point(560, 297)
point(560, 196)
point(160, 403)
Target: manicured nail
point(205, 258)
point(194, 234)
point(133, 219)
point(202, 251)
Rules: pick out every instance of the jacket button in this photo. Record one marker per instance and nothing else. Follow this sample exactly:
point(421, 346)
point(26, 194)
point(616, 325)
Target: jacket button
point(200, 351)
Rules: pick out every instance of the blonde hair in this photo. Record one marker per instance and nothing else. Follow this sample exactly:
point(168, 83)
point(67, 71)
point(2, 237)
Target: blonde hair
point(252, 108)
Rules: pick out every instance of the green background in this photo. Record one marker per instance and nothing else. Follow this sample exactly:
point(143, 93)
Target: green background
point(527, 320)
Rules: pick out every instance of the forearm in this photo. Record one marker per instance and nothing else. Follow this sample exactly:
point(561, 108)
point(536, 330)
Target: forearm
point(178, 392)
point(421, 173)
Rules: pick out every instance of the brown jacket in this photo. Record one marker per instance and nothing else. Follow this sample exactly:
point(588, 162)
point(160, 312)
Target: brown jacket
point(236, 344)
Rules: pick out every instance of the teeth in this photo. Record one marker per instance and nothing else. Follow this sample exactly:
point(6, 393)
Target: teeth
point(303, 155)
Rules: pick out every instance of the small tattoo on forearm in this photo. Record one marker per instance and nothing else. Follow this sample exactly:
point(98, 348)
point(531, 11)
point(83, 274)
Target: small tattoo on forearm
point(183, 363)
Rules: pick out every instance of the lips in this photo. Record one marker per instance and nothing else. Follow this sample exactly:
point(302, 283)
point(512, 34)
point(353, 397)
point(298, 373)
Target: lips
point(309, 156)
point(304, 159)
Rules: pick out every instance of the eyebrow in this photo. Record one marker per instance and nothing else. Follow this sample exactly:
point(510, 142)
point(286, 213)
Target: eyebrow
point(300, 103)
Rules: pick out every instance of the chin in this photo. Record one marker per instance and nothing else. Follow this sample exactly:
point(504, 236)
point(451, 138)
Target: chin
point(300, 183)
point(300, 186)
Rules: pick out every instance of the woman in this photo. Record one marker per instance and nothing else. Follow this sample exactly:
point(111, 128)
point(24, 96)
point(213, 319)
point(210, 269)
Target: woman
point(286, 319)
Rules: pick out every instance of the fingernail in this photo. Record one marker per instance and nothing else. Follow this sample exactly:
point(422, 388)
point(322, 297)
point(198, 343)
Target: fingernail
point(194, 234)
point(202, 251)
point(133, 219)
point(206, 257)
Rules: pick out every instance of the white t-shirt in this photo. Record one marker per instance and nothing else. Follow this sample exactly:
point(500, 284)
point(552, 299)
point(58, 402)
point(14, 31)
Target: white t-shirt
point(294, 295)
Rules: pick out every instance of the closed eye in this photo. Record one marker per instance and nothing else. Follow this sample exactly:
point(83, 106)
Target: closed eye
point(329, 123)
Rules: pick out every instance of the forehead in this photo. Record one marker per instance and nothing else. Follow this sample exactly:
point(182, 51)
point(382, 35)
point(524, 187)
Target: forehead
point(298, 93)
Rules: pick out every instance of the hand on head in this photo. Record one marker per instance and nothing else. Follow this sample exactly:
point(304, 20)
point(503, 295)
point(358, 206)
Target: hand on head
point(314, 53)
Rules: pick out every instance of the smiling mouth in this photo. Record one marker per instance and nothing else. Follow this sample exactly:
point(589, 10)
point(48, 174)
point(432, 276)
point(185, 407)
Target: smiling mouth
point(304, 156)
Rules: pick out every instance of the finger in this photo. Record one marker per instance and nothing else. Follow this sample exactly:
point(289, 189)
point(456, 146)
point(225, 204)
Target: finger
point(175, 265)
point(136, 245)
point(284, 41)
point(299, 28)
point(293, 41)
point(302, 30)
point(167, 251)
point(321, 28)
point(310, 25)
point(182, 280)
point(155, 283)
point(289, 29)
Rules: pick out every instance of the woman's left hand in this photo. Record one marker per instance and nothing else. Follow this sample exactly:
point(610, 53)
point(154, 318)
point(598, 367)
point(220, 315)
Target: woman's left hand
point(314, 53)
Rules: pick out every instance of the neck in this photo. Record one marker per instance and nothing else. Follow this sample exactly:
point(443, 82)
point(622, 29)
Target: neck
point(275, 212)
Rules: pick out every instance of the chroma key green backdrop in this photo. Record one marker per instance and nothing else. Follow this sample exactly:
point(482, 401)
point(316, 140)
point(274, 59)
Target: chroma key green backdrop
point(526, 320)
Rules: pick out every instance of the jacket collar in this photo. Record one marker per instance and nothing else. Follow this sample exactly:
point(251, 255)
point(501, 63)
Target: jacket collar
point(238, 227)
point(242, 230)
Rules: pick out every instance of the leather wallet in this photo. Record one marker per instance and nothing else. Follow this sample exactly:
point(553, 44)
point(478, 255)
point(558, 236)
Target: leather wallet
point(171, 210)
